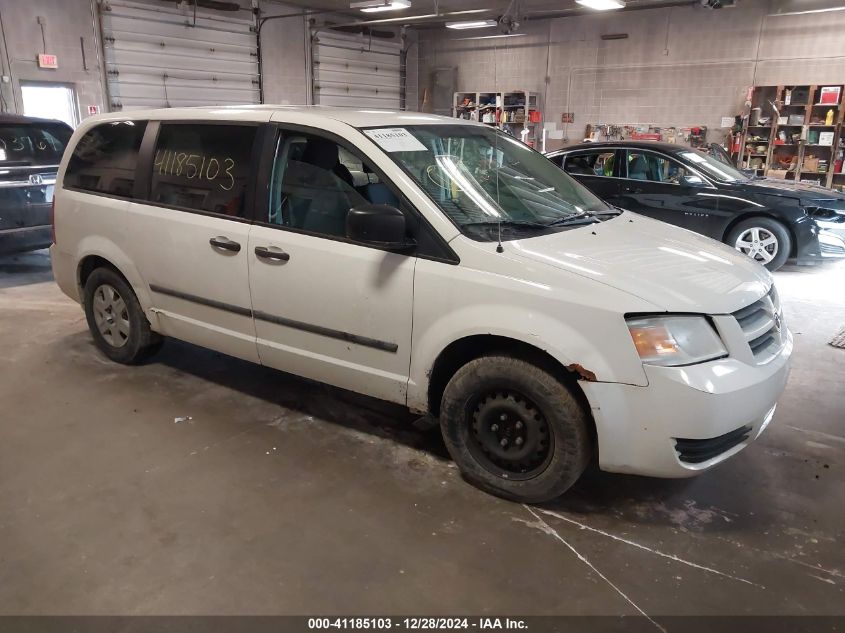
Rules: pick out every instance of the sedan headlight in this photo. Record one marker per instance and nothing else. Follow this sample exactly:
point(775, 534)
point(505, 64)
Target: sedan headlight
point(671, 341)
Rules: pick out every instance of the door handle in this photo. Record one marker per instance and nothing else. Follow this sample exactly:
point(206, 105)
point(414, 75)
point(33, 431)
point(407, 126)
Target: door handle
point(225, 243)
point(272, 253)
point(633, 190)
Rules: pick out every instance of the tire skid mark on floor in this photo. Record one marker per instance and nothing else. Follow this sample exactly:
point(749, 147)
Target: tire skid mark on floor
point(648, 549)
point(546, 528)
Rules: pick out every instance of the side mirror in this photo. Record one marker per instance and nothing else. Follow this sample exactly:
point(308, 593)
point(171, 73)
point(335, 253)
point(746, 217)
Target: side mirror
point(691, 180)
point(377, 225)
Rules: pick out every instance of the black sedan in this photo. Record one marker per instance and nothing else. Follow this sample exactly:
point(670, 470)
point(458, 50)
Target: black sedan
point(769, 220)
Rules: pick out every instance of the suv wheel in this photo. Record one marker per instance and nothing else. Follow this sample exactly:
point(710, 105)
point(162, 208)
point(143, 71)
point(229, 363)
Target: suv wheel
point(116, 319)
point(764, 240)
point(514, 430)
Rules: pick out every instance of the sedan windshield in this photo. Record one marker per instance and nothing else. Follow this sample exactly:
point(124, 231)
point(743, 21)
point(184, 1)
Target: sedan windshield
point(714, 168)
point(487, 181)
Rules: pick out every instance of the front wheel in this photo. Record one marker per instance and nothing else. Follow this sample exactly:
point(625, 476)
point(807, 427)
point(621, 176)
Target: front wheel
point(764, 240)
point(514, 429)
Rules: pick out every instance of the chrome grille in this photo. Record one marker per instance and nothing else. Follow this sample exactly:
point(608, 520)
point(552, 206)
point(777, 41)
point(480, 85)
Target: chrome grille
point(763, 327)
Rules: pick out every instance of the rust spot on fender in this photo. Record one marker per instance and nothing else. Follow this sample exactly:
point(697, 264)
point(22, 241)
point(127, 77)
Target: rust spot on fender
point(583, 372)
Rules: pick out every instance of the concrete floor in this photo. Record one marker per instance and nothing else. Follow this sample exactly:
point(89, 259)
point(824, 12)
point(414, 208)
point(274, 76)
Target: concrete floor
point(281, 496)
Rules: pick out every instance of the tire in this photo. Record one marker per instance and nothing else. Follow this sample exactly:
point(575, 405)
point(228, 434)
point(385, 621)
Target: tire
point(116, 319)
point(753, 232)
point(485, 403)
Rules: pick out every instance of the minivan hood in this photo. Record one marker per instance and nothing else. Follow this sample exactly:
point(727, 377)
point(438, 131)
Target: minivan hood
point(672, 268)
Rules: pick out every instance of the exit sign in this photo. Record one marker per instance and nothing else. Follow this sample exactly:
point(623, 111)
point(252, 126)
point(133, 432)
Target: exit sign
point(48, 61)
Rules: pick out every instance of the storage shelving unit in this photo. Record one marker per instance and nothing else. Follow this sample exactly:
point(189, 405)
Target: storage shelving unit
point(793, 129)
point(512, 112)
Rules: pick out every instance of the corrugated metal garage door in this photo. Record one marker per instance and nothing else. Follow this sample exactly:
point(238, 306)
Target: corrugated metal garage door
point(357, 70)
point(156, 56)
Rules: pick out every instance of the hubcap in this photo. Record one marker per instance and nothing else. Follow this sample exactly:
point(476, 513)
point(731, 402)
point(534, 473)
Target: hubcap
point(111, 316)
point(758, 243)
point(509, 435)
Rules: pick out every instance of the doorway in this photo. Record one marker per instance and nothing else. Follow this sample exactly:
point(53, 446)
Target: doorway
point(50, 101)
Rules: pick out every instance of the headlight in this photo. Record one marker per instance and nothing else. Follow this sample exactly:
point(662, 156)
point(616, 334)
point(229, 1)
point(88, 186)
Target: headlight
point(671, 341)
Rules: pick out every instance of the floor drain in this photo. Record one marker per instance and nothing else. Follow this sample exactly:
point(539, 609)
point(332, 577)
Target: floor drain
point(839, 339)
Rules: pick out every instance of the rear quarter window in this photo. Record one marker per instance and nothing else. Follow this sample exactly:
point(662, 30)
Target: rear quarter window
point(105, 158)
point(204, 167)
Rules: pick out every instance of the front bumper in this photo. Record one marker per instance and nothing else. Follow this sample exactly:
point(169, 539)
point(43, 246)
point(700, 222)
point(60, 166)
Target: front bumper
point(637, 427)
point(30, 238)
point(832, 244)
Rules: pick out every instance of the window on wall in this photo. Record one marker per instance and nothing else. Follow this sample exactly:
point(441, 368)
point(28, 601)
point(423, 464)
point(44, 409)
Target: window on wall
point(202, 166)
point(654, 168)
point(105, 159)
point(315, 182)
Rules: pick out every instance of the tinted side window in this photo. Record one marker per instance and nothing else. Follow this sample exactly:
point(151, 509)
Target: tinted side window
point(598, 163)
point(105, 158)
point(654, 168)
point(202, 166)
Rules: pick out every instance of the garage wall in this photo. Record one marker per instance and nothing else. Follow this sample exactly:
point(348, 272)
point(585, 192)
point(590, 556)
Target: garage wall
point(283, 47)
point(66, 22)
point(682, 66)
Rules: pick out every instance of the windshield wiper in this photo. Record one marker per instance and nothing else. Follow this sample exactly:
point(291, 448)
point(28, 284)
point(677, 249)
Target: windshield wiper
point(508, 223)
point(585, 217)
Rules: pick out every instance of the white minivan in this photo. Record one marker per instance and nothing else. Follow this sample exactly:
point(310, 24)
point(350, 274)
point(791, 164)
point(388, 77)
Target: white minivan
point(431, 262)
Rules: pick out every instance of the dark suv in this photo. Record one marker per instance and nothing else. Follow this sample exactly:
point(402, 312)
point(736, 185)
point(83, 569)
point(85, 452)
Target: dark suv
point(769, 220)
point(30, 152)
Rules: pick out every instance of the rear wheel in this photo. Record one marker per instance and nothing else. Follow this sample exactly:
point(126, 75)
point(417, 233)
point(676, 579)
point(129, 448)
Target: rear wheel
point(514, 429)
point(764, 240)
point(116, 319)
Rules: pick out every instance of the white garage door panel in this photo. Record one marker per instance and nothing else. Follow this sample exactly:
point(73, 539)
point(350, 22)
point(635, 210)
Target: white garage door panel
point(159, 63)
point(149, 95)
point(357, 71)
point(155, 57)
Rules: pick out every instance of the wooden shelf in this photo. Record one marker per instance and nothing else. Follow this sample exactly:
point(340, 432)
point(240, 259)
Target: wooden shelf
point(768, 102)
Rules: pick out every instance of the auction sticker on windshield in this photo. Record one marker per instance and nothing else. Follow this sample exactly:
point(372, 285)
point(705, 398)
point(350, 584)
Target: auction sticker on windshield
point(396, 139)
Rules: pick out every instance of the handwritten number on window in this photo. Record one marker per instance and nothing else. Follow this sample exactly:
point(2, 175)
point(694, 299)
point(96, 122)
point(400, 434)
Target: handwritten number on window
point(196, 166)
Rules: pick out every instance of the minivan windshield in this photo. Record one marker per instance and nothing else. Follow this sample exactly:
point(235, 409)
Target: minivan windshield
point(716, 169)
point(487, 181)
point(31, 144)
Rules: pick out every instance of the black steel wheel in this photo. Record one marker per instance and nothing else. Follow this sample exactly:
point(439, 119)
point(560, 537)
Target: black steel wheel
point(514, 429)
point(510, 435)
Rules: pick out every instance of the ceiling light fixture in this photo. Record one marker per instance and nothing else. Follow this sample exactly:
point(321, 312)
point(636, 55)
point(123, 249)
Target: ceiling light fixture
point(808, 11)
point(376, 6)
point(490, 37)
point(602, 5)
point(471, 24)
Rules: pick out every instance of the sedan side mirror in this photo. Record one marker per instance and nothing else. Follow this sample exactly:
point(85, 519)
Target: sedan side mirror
point(378, 225)
point(691, 180)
